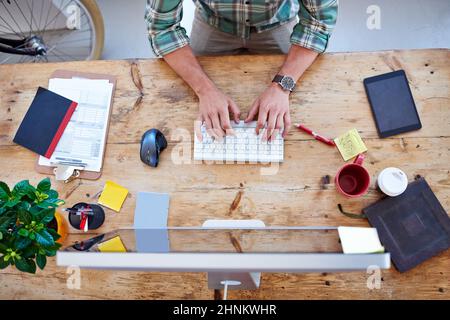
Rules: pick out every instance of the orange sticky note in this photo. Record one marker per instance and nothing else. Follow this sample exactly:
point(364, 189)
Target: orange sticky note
point(113, 196)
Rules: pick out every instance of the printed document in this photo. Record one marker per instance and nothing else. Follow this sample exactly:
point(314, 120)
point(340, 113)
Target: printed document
point(82, 143)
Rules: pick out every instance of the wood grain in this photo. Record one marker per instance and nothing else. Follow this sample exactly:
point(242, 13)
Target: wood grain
point(330, 97)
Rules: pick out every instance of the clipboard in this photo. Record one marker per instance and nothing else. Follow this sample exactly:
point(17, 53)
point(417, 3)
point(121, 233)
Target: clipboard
point(79, 173)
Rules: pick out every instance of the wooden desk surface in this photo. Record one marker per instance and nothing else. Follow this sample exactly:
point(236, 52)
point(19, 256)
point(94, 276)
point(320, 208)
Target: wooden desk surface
point(329, 98)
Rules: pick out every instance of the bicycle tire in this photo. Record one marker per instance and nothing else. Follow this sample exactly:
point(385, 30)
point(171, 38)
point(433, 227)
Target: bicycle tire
point(99, 27)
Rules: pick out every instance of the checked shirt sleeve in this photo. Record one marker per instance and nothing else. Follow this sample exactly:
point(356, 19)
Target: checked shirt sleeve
point(163, 19)
point(317, 20)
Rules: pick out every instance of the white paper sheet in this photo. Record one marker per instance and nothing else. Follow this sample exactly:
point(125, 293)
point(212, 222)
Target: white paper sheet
point(83, 140)
point(360, 240)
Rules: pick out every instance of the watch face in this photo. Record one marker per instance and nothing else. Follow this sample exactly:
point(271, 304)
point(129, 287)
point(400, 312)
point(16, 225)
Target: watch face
point(287, 83)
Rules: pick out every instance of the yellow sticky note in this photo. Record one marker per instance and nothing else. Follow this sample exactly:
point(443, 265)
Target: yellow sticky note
point(350, 144)
point(113, 196)
point(112, 245)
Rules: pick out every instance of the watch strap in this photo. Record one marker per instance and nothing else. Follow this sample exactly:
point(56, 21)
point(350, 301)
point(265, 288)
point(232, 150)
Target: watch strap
point(278, 78)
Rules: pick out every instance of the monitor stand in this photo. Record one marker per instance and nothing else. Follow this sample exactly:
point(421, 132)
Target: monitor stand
point(234, 280)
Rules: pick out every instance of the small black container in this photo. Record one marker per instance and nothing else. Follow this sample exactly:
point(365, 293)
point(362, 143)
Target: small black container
point(95, 221)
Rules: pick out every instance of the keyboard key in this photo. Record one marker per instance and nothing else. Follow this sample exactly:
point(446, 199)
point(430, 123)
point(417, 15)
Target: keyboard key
point(245, 146)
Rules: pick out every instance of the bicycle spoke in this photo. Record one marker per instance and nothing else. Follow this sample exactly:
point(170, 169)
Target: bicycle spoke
point(63, 42)
point(72, 41)
point(57, 15)
point(46, 19)
point(21, 46)
point(66, 54)
point(22, 59)
point(12, 17)
point(40, 16)
point(5, 30)
point(11, 28)
point(6, 60)
point(31, 18)
point(25, 18)
point(58, 56)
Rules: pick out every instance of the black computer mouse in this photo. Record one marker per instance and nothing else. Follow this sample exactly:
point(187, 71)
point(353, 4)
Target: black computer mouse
point(153, 143)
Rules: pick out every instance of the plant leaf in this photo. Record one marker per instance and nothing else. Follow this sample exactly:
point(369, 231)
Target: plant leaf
point(46, 215)
point(26, 265)
point(21, 243)
point(4, 191)
point(44, 185)
point(25, 205)
point(3, 248)
point(21, 189)
point(52, 194)
point(41, 261)
point(30, 252)
point(56, 246)
point(50, 253)
point(7, 220)
point(3, 263)
point(11, 203)
point(44, 238)
point(23, 232)
point(54, 234)
point(48, 204)
point(31, 194)
point(4, 187)
point(1, 235)
point(24, 216)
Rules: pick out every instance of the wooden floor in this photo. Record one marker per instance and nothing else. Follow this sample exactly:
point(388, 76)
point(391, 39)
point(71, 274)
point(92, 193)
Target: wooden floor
point(329, 98)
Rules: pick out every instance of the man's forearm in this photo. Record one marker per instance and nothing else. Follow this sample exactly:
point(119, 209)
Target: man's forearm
point(185, 64)
point(297, 61)
point(214, 106)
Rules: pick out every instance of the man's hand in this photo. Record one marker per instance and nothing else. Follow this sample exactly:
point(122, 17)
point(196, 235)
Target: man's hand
point(214, 109)
point(272, 106)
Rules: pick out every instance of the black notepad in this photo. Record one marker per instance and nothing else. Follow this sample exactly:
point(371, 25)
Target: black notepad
point(412, 226)
point(45, 122)
point(392, 103)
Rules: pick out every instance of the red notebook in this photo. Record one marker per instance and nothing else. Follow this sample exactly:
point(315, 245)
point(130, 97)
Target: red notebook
point(45, 122)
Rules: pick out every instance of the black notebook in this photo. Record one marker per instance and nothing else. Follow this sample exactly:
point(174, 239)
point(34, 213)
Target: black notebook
point(413, 226)
point(45, 122)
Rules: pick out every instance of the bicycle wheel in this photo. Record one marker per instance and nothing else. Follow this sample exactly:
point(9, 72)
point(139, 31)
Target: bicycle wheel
point(67, 30)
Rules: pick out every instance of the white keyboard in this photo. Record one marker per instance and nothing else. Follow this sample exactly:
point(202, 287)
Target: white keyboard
point(245, 146)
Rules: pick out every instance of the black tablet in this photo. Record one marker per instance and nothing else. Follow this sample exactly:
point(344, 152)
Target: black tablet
point(392, 103)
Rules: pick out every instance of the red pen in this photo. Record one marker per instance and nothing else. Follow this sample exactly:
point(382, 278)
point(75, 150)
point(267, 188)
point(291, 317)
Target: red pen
point(316, 136)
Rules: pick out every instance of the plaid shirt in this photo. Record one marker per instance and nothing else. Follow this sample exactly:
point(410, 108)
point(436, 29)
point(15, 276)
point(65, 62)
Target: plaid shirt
point(316, 20)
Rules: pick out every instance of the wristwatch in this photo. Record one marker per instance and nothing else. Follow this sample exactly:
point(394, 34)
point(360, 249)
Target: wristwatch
point(286, 82)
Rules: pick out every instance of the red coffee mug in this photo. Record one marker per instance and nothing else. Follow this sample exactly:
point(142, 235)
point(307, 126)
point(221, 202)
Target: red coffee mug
point(353, 180)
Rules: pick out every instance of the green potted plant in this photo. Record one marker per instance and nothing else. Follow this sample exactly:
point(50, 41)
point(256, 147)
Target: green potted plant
point(28, 225)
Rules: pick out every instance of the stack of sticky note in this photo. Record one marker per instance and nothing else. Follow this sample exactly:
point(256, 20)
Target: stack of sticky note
point(112, 245)
point(350, 144)
point(113, 196)
point(360, 240)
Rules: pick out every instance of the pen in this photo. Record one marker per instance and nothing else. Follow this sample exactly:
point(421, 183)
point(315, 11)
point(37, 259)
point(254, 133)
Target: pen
point(316, 136)
point(79, 211)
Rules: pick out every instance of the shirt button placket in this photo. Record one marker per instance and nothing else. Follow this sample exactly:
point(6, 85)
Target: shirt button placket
point(246, 20)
